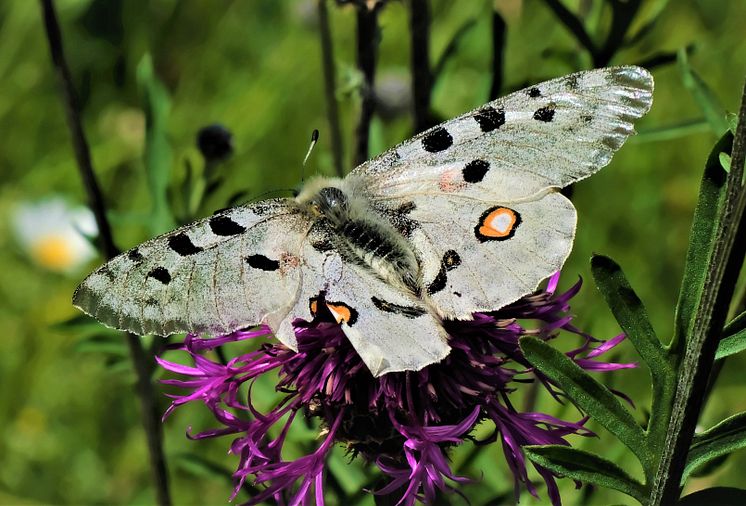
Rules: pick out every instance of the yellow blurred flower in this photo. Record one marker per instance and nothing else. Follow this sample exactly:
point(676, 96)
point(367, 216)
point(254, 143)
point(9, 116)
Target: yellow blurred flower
point(53, 234)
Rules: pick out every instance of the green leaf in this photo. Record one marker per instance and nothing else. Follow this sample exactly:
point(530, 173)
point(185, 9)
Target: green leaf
point(736, 325)
point(701, 240)
point(725, 161)
point(710, 467)
point(670, 132)
point(588, 394)
point(630, 312)
point(586, 467)
point(156, 105)
point(722, 439)
point(731, 345)
point(703, 95)
point(732, 120)
point(720, 496)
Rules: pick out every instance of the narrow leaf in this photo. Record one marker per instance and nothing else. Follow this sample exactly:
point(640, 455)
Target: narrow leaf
point(732, 122)
point(720, 496)
point(701, 239)
point(586, 467)
point(736, 325)
point(670, 132)
point(703, 95)
point(731, 345)
point(725, 161)
point(156, 105)
point(629, 311)
point(722, 439)
point(588, 394)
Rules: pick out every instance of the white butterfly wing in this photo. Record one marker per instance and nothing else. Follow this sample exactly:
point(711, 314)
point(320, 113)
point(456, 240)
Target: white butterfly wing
point(478, 257)
point(506, 158)
point(234, 269)
point(515, 147)
point(389, 329)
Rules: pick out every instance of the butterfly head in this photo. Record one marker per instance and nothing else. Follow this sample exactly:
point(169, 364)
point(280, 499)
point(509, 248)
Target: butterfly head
point(324, 199)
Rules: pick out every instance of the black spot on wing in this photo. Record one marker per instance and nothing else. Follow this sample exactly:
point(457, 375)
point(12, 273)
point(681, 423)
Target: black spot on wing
point(105, 271)
point(406, 208)
point(475, 171)
point(389, 307)
point(182, 244)
point(134, 255)
point(572, 81)
point(533, 92)
point(450, 261)
point(437, 140)
point(489, 118)
point(322, 244)
point(439, 282)
point(262, 263)
point(161, 274)
point(545, 114)
point(224, 226)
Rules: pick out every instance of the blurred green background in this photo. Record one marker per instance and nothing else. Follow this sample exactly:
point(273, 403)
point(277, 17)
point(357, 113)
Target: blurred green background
point(69, 423)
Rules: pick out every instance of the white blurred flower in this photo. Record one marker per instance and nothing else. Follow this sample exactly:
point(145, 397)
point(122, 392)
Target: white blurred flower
point(52, 233)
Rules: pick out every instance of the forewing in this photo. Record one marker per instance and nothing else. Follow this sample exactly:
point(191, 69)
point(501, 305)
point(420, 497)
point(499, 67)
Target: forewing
point(389, 329)
point(480, 257)
point(219, 274)
point(517, 147)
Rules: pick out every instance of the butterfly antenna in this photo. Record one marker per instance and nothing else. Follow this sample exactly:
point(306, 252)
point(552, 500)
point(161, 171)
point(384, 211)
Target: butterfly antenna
point(314, 140)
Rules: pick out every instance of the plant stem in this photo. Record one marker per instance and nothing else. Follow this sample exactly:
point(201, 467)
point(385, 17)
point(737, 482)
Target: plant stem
point(499, 33)
point(149, 412)
point(366, 48)
point(80, 144)
point(709, 319)
point(330, 87)
point(573, 24)
point(422, 79)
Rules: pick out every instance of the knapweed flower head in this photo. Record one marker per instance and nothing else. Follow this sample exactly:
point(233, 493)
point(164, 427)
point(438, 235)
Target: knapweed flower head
point(403, 422)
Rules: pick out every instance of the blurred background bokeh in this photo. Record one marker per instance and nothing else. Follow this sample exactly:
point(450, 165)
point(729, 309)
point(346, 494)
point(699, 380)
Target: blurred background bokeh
point(69, 425)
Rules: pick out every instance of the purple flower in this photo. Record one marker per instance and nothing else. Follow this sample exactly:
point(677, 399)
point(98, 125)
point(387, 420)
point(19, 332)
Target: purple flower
point(403, 422)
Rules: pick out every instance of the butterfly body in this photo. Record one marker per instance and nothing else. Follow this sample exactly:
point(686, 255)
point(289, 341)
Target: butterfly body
point(462, 218)
point(361, 234)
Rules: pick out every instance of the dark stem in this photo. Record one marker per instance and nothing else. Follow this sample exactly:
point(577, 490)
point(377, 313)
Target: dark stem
point(623, 13)
point(709, 319)
point(422, 79)
point(499, 33)
point(149, 411)
point(330, 87)
point(80, 144)
point(366, 48)
point(573, 24)
point(657, 60)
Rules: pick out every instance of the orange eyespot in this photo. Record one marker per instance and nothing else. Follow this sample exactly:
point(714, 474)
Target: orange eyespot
point(340, 311)
point(497, 223)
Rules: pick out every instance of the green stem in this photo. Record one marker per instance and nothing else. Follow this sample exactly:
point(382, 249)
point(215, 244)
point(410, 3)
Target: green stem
point(709, 318)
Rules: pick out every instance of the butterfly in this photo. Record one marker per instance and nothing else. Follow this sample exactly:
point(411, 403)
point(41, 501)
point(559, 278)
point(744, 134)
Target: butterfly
point(462, 218)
